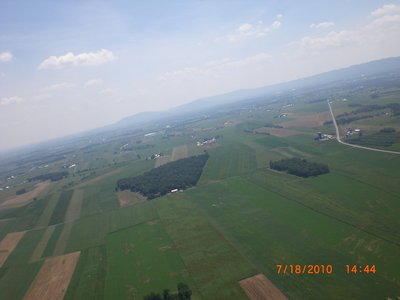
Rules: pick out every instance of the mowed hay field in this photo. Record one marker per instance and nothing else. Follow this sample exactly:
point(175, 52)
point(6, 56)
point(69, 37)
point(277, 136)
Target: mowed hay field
point(259, 287)
point(8, 244)
point(52, 281)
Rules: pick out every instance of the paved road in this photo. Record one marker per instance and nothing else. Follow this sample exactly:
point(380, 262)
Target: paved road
point(351, 145)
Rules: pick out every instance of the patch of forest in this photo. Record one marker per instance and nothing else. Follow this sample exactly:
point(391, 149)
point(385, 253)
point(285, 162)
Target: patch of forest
point(179, 174)
point(299, 167)
point(55, 176)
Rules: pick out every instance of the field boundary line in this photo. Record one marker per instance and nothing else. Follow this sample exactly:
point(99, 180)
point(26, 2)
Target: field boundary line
point(130, 226)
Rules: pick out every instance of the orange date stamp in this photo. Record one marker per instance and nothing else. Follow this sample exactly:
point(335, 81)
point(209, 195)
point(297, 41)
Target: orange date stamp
point(309, 269)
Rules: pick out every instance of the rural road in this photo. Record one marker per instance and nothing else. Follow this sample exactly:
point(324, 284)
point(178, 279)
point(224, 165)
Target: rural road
point(351, 145)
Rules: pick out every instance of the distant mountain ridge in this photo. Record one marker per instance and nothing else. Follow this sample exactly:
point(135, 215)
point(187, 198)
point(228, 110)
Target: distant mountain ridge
point(356, 71)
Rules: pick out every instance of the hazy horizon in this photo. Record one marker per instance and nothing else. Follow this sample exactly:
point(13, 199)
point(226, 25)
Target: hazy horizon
point(70, 67)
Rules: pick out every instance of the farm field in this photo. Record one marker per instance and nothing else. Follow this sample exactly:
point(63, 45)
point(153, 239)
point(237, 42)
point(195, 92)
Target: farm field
point(143, 256)
point(53, 278)
point(224, 236)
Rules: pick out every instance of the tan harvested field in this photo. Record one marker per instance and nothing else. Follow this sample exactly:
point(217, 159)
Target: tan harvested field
point(62, 240)
point(37, 253)
point(260, 287)
point(281, 132)
point(53, 278)
point(74, 207)
point(179, 152)
point(8, 244)
point(162, 160)
point(308, 120)
point(20, 200)
point(128, 198)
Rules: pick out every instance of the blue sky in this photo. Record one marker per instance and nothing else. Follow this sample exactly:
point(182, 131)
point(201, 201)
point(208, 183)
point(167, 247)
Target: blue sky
point(69, 66)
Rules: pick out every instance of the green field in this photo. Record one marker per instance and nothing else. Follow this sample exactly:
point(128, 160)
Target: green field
point(241, 219)
point(229, 160)
point(215, 265)
point(142, 259)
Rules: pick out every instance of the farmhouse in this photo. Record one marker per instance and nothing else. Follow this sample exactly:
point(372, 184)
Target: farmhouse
point(206, 142)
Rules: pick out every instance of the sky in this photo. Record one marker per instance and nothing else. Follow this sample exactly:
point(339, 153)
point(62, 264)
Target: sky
point(71, 66)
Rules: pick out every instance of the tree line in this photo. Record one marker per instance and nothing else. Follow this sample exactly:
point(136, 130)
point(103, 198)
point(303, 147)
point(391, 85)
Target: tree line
point(179, 174)
point(55, 176)
point(184, 293)
point(299, 167)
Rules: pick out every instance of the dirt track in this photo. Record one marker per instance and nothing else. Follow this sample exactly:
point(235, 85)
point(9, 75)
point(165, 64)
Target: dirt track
point(8, 244)
point(53, 278)
point(260, 287)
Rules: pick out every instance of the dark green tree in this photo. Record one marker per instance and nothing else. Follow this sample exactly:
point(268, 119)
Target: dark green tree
point(184, 292)
point(152, 296)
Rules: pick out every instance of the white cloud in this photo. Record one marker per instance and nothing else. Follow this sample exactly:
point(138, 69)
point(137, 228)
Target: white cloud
point(215, 69)
point(381, 30)
point(5, 56)
point(386, 9)
point(59, 86)
point(82, 59)
point(322, 25)
point(385, 20)
point(10, 100)
point(247, 30)
point(93, 82)
point(332, 39)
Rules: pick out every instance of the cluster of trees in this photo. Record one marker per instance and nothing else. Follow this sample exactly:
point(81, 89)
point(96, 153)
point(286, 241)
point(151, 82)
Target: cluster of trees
point(347, 120)
point(55, 176)
point(179, 174)
point(387, 130)
point(299, 167)
point(317, 100)
point(395, 107)
point(384, 138)
point(349, 117)
point(363, 109)
point(184, 293)
point(20, 192)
